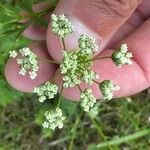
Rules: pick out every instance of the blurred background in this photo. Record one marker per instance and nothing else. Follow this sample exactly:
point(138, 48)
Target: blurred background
point(120, 124)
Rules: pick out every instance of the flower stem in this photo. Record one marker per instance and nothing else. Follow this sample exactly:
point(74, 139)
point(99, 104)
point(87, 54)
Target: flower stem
point(79, 88)
point(96, 125)
point(96, 82)
point(60, 95)
point(73, 130)
point(63, 43)
point(98, 58)
point(49, 61)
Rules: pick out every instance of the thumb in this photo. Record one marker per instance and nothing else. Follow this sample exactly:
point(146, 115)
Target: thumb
point(97, 18)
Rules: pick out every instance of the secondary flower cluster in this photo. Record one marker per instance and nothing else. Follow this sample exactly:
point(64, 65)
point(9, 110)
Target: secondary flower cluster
point(61, 25)
point(87, 44)
point(46, 90)
point(76, 67)
point(28, 62)
point(54, 119)
point(107, 88)
point(122, 56)
point(87, 100)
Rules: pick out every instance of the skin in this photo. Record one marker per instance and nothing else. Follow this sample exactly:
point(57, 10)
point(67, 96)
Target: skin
point(111, 23)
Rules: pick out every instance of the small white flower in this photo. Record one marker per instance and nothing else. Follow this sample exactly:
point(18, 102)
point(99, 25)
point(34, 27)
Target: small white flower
point(13, 54)
point(87, 100)
point(22, 72)
point(122, 56)
point(45, 124)
point(149, 119)
point(47, 89)
point(54, 119)
point(61, 25)
point(87, 44)
point(107, 88)
point(33, 74)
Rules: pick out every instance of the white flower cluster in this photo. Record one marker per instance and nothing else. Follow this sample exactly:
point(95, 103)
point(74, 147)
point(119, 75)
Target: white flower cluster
point(87, 100)
point(13, 54)
point(107, 88)
point(61, 25)
point(87, 44)
point(27, 63)
point(46, 90)
point(122, 56)
point(76, 67)
point(54, 119)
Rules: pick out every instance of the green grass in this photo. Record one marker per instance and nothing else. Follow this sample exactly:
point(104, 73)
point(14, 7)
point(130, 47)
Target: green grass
point(121, 124)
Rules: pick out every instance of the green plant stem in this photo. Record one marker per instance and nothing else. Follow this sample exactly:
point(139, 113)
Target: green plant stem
point(98, 58)
point(79, 88)
point(49, 61)
point(100, 131)
point(120, 140)
point(63, 43)
point(59, 100)
point(73, 130)
point(96, 82)
point(8, 12)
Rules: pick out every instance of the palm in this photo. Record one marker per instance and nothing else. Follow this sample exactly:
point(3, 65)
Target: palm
point(138, 74)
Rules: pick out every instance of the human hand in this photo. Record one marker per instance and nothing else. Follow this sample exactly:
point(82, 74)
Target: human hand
point(111, 23)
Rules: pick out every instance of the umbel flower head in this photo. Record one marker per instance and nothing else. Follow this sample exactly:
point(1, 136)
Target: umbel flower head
point(61, 25)
point(122, 56)
point(54, 119)
point(76, 67)
point(87, 100)
point(46, 90)
point(28, 62)
point(107, 88)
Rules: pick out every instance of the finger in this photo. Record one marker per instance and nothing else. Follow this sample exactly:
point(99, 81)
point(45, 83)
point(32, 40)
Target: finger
point(34, 31)
point(24, 83)
point(141, 14)
point(131, 79)
point(102, 22)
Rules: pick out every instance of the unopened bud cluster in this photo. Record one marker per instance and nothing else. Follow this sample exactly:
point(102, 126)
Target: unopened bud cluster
point(122, 56)
point(107, 88)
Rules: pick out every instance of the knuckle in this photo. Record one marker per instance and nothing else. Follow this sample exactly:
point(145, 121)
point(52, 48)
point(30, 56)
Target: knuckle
point(117, 8)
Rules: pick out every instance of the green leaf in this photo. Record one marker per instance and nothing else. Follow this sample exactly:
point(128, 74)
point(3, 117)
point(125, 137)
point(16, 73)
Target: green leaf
point(68, 107)
point(92, 147)
point(7, 94)
point(26, 5)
